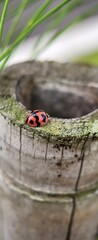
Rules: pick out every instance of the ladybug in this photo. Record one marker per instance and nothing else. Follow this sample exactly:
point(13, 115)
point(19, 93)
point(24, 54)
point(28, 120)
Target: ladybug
point(37, 118)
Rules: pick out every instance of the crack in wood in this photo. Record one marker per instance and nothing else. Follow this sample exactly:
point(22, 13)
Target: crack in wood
point(59, 163)
point(70, 225)
point(81, 164)
point(62, 153)
point(69, 230)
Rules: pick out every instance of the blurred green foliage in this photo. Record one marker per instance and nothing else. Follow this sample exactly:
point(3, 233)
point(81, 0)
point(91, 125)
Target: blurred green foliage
point(89, 59)
point(49, 12)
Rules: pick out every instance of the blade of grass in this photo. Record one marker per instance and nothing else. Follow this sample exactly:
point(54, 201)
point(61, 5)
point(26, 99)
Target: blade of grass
point(2, 65)
point(14, 23)
point(12, 11)
point(38, 13)
point(18, 15)
point(59, 19)
point(46, 15)
point(58, 33)
point(19, 12)
point(65, 11)
point(78, 19)
point(3, 17)
point(31, 27)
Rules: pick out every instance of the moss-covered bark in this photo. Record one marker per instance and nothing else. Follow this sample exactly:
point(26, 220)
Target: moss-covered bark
point(49, 174)
point(62, 131)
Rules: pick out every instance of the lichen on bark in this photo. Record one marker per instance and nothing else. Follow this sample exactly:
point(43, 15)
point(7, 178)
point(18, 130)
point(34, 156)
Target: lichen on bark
point(61, 130)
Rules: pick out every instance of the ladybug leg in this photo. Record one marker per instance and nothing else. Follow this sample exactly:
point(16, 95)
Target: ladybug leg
point(37, 121)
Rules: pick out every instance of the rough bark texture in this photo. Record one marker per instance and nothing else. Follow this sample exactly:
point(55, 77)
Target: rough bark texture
point(49, 175)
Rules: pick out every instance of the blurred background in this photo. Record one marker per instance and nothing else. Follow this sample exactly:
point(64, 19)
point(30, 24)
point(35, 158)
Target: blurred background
point(69, 33)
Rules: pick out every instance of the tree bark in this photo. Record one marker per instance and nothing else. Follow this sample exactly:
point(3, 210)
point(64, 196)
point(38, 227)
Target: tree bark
point(49, 175)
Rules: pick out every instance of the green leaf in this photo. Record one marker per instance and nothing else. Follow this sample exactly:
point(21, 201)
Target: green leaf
point(56, 15)
point(14, 23)
point(31, 26)
point(78, 19)
point(3, 17)
point(59, 18)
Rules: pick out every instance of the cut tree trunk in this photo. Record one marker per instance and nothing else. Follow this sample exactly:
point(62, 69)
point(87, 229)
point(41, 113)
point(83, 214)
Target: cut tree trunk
point(49, 174)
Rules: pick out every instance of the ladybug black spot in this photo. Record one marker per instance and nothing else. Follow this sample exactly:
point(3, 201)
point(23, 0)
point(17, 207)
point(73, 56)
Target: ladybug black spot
point(31, 122)
point(44, 117)
point(37, 121)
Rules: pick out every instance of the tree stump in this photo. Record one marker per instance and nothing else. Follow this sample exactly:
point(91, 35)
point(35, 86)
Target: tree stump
point(49, 175)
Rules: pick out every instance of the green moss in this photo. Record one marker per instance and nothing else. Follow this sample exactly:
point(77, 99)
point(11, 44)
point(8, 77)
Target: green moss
point(58, 130)
point(14, 111)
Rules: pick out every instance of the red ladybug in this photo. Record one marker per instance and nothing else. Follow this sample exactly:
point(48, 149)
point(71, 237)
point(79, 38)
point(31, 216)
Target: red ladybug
point(37, 118)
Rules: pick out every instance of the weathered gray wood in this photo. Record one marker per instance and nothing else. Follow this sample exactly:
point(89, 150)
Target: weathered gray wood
point(49, 175)
point(28, 215)
point(85, 224)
